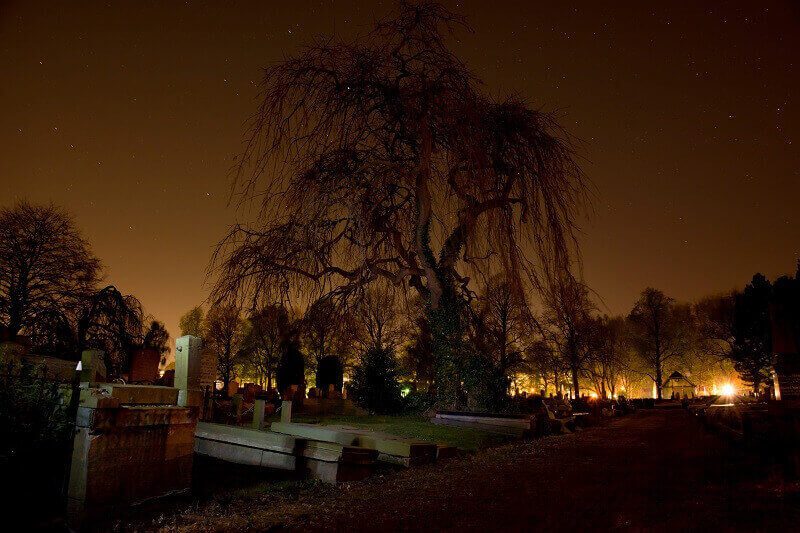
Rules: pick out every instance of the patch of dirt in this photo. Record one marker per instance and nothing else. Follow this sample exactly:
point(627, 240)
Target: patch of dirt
point(654, 471)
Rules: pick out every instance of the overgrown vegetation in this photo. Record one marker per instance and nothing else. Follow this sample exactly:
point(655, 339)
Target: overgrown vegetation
point(32, 416)
point(35, 437)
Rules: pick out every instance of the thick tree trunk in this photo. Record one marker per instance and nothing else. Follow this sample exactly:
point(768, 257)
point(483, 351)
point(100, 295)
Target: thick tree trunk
point(659, 381)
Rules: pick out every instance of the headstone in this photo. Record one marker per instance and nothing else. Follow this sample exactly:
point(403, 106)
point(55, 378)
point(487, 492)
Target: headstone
point(236, 403)
point(233, 388)
point(286, 411)
point(144, 366)
point(93, 366)
point(195, 369)
point(259, 409)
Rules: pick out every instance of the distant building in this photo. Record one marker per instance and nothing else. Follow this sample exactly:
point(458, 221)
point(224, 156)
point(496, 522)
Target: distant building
point(678, 386)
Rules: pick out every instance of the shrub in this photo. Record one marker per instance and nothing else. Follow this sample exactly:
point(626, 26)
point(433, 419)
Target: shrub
point(485, 385)
point(35, 438)
point(31, 414)
point(375, 384)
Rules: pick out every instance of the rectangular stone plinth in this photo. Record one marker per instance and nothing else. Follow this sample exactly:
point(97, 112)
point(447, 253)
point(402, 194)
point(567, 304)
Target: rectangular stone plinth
point(123, 455)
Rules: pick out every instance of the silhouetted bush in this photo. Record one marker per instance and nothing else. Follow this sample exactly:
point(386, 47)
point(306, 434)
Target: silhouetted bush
point(35, 437)
point(375, 384)
point(485, 385)
point(418, 402)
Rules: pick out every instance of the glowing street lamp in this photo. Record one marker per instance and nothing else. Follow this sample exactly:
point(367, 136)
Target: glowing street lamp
point(728, 389)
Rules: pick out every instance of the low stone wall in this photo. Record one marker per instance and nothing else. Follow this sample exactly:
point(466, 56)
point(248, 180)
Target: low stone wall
point(132, 443)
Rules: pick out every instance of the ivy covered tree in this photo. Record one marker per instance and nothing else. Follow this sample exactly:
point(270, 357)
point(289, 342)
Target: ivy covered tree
point(384, 157)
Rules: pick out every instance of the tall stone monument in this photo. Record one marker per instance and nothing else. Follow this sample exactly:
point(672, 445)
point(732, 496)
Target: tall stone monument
point(195, 372)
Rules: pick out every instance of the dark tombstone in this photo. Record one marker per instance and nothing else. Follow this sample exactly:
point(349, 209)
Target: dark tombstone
point(144, 366)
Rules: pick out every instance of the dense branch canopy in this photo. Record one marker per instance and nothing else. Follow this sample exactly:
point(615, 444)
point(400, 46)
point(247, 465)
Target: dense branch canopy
point(46, 266)
point(384, 158)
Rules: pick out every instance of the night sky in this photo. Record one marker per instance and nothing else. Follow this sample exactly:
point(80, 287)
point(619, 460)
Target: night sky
point(129, 115)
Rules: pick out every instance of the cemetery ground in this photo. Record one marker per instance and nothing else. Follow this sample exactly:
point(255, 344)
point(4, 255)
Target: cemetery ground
point(654, 470)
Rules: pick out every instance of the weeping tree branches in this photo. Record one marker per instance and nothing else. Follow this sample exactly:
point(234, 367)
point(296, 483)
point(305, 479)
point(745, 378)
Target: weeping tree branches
point(382, 158)
point(367, 153)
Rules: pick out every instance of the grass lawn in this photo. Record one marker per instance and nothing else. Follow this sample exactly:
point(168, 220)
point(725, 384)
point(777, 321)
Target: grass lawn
point(417, 427)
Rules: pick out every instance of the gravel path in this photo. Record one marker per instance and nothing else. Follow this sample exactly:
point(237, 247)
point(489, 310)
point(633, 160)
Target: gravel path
point(653, 471)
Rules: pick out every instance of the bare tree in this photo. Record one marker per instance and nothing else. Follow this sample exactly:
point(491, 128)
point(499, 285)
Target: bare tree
point(46, 266)
point(326, 330)
point(661, 332)
point(383, 158)
point(502, 323)
point(715, 324)
point(223, 329)
point(265, 334)
point(568, 324)
point(610, 349)
point(378, 316)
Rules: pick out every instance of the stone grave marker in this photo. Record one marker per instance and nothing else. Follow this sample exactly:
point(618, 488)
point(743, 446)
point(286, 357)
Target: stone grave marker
point(195, 370)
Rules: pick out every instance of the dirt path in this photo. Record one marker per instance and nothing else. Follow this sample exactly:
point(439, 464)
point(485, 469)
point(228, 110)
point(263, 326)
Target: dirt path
point(657, 470)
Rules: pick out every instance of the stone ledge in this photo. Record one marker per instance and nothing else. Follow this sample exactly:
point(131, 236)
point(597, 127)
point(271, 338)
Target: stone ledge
point(103, 419)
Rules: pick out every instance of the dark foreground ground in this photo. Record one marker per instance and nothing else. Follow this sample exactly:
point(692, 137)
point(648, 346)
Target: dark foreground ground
point(654, 471)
